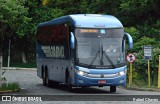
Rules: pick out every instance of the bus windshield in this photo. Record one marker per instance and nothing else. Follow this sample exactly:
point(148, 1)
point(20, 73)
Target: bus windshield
point(100, 47)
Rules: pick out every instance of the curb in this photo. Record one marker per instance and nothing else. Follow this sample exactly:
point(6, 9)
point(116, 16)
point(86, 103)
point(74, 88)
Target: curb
point(9, 91)
point(140, 89)
point(18, 68)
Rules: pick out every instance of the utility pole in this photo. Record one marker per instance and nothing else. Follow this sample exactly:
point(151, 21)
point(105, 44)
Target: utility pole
point(0, 66)
point(9, 48)
point(1, 39)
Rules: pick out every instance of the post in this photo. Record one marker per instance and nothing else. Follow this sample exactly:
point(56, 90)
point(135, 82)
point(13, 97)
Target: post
point(149, 77)
point(1, 69)
point(130, 75)
point(9, 48)
point(159, 75)
point(1, 63)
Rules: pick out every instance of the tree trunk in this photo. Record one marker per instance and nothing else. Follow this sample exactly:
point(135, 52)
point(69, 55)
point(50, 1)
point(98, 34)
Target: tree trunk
point(23, 49)
point(0, 66)
point(1, 49)
point(24, 60)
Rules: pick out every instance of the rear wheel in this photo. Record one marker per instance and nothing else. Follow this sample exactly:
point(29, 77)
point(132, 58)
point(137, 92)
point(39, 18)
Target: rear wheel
point(112, 88)
point(46, 81)
point(44, 78)
point(54, 84)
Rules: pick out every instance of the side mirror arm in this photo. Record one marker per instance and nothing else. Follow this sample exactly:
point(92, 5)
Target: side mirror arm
point(130, 40)
point(72, 40)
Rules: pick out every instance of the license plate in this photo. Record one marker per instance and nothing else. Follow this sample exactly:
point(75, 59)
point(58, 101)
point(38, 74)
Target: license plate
point(102, 82)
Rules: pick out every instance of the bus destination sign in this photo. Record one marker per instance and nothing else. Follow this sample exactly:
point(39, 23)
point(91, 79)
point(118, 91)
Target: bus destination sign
point(88, 31)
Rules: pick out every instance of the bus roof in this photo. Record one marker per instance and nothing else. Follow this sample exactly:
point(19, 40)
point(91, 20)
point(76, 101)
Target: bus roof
point(86, 21)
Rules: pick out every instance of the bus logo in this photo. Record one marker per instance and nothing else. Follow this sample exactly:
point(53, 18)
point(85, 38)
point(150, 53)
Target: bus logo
point(54, 51)
point(102, 75)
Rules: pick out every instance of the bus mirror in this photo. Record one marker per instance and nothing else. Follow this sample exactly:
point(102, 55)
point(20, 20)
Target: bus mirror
point(130, 40)
point(72, 40)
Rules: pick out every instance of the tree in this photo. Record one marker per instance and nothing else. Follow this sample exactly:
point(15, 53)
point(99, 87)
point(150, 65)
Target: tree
point(140, 66)
point(13, 17)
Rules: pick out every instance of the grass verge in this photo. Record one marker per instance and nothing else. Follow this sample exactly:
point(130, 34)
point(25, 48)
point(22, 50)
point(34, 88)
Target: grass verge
point(142, 85)
point(10, 87)
point(22, 65)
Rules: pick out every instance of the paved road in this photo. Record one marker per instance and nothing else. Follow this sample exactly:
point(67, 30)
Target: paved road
point(32, 85)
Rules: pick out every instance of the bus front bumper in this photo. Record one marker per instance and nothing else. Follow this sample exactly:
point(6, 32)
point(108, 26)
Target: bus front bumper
point(81, 81)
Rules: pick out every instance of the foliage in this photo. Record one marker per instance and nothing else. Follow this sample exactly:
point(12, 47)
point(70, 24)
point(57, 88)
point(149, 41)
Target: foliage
point(19, 20)
point(140, 12)
point(150, 30)
point(145, 41)
point(10, 86)
point(14, 16)
point(141, 65)
point(135, 33)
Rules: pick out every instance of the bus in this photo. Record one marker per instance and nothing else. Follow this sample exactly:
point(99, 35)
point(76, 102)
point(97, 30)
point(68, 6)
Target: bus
point(74, 50)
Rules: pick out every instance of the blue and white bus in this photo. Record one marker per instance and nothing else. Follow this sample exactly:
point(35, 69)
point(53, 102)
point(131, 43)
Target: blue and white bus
point(82, 50)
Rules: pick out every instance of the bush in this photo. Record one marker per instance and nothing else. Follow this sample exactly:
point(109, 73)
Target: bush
point(10, 86)
point(140, 67)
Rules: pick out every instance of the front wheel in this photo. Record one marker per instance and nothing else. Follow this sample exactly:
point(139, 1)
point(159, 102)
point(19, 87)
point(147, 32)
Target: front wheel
point(112, 88)
point(70, 87)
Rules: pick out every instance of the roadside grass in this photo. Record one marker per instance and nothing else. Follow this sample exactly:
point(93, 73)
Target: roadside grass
point(142, 84)
point(22, 65)
point(10, 87)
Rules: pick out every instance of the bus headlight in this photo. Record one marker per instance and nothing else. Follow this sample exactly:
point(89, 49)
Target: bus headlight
point(81, 73)
point(121, 73)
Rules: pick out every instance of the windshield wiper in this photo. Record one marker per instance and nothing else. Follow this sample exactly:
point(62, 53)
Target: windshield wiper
point(95, 57)
point(106, 56)
point(109, 60)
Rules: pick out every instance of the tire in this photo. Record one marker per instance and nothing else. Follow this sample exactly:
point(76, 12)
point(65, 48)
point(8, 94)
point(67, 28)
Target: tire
point(46, 81)
point(70, 87)
point(112, 88)
point(44, 78)
point(54, 84)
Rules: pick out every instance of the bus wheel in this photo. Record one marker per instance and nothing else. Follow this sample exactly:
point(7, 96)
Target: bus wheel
point(112, 88)
point(44, 78)
point(70, 87)
point(48, 82)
